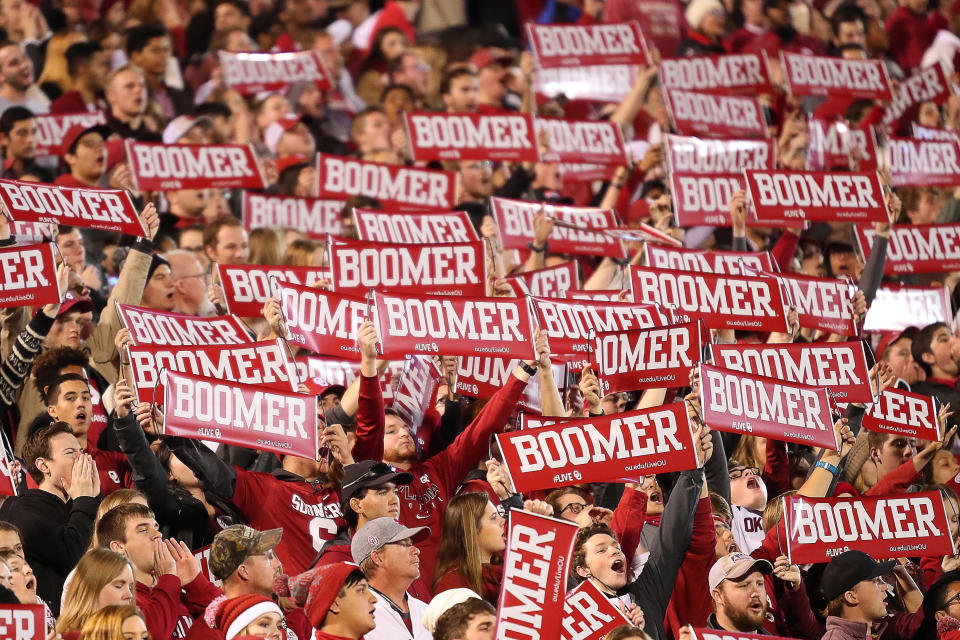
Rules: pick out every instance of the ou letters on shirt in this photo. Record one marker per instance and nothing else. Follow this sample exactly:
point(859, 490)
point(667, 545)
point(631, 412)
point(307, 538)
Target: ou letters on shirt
point(747, 529)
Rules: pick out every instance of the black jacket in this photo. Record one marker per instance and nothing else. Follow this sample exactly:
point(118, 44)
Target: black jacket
point(179, 514)
point(56, 534)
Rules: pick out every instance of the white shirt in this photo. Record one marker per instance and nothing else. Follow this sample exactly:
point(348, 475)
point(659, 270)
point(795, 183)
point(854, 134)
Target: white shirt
point(390, 625)
point(747, 529)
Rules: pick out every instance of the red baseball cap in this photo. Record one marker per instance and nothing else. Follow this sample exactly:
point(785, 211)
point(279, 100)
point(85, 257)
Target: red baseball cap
point(888, 339)
point(73, 302)
point(486, 57)
point(77, 131)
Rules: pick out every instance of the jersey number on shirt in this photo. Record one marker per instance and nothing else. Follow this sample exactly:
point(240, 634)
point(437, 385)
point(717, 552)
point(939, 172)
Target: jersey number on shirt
point(319, 526)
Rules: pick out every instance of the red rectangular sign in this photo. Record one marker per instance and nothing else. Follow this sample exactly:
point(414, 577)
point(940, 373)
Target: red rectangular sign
point(105, 209)
point(240, 414)
point(599, 141)
point(471, 136)
point(579, 230)
point(838, 146)
point(549, 282)
point(572, 324)
point(723, 634)
point(822, 303)
point(602, 83)
point(321, 321)
point(920, 248)
point(714, 116)
point(580, 45)
point(921, 132)
point(395, 186)
point(835, 77)
point(904, 413)
point(737, 402)
point(816, 195)
point(51, 128)
point(313, 216)
point(252, 73)
point(426, 269)
point(719, 262)
point(897, 307)
point(738, 73)
point(601, 449)
point(646, 358)
point(414, 228)
point(267, 364)
point(148, 326)
point(170, 167)
point(247, 286)
point(704, 174)
point(721, 301)
point(480, 377)
point(416, 389)
point(588, 614)
point(911, 525)
point(454, 326)
point(22, 622)
point(28, 276)
point(931, 84)
point(923, 163)
point(839, 366)
point(535, 571)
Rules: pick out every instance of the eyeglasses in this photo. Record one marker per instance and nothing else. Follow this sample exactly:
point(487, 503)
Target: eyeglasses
point(575, 507)
point(951, 600)
point(744, 471)
point(194, 275)
point(481, 165)
point(407, 542)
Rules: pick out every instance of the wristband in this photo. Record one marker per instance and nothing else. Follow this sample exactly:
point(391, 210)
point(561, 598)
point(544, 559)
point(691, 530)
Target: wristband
point(536, 249)
point(531, 371)
point(829, 467)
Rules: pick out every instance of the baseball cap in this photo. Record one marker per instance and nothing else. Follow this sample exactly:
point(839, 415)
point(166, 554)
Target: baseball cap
point(77, 131)
point(235, 544)
point(369, 473)
point(379, 532)
point(73, 302)
point(849, 568)
point(180, 125)
point(486, 57)
point(890, 337)
point(736, 566)
point(276, 129)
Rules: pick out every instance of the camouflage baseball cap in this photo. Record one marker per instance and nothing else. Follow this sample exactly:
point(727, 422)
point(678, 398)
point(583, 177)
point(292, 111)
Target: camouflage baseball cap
point(235, 544)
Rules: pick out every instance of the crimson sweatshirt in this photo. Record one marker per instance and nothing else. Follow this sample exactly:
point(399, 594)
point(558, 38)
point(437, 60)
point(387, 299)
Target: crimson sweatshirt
point(170, 611)
point(435, 481)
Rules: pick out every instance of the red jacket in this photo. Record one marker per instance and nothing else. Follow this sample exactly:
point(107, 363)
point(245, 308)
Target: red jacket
point(911, 34)
point(308, 513)
point(491, 577)
point(113, 469)
point(691, 601)
point(631, 509)
point(435, 481)
point(170, 611)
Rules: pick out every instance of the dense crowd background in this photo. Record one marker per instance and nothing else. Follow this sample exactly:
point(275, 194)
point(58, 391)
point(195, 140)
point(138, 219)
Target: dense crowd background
point(399, 530)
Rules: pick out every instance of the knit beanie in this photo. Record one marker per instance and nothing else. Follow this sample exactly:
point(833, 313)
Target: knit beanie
point(155, 262)
point(697, 10)
point(325, 584)
point(236, 614)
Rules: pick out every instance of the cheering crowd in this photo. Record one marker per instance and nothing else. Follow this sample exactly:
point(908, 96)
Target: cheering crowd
point(414, 517)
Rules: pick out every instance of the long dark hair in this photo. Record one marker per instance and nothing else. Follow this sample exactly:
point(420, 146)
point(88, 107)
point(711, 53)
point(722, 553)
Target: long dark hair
point(376, 59)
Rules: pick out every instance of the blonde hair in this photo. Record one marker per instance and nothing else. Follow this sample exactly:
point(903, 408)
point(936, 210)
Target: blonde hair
point(113, 499)
point(460, 542)
point(96, 569)
point(107, 624)
point(55, 66)
point(300, 253)
point(745, 453)
point(266, 246)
